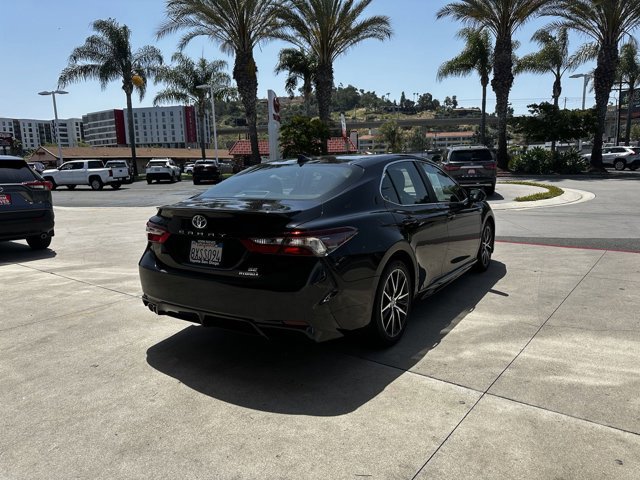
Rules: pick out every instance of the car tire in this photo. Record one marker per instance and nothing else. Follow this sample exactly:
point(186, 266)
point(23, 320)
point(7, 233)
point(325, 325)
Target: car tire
point(38, 243)
point(619, 164)
point(149, 181)
point(490, 190)
point(196, 182)
point(116, 185)
point(95, 183)
point(71, 187)
point(179, 177)
point(172, 179)
point(483, 258)
point(392, 305)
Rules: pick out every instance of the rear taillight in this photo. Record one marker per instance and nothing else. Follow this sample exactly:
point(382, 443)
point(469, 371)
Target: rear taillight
point(315, 243)
point(490, 165)
point(450, 168)
point(157, 233)
point(39, 185)
point(110, 173)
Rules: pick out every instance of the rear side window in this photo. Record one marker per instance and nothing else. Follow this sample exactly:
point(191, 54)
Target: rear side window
point(96, 164)
point(407, 183)
point(15, 171)
point(445, 188)
point(480, 155)
point(287, 181)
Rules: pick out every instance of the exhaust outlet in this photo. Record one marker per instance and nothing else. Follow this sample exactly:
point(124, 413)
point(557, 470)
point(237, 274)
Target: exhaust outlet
point(44, 236)
point(153, 307)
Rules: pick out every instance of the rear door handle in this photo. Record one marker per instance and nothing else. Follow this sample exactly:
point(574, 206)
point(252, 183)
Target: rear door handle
point(410, 222)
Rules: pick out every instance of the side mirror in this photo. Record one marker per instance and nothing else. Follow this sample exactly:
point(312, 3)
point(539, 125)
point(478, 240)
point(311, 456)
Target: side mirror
point(477, 195)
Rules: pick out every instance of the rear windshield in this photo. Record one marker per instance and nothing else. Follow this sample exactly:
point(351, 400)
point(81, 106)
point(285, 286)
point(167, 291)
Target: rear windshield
point(116, 164)
point(15, 171)
point(480, 155)
point(286, 181)
point(157, 163)
point(208, 162)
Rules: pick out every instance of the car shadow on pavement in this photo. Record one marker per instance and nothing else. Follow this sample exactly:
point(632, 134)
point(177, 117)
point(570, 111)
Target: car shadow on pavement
point(16, 252)
point(303, 378)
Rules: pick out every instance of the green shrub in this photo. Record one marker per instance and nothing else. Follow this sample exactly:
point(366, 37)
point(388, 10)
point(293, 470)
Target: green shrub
point(536, 160)
point(570, 162)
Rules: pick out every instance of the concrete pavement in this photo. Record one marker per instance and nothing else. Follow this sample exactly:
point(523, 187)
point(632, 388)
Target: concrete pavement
point(527, 371)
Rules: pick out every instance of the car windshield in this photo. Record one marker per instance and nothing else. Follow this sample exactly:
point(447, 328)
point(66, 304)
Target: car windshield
point(286, 181)
point(158, 163)
point(15, 171)
point(480, 155)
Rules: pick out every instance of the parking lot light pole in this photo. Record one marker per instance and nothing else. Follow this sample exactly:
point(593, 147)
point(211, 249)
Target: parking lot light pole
point(55, 113)
point(587, 77)
point(213, 116)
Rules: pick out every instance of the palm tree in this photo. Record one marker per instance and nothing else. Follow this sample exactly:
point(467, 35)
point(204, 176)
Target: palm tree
point(477, 56)
point(553, 57)
point(629, 71)
point(327, 29)
point(183, 79)
point(238, 26)
point(605, 22)
point(300, 66)
point(502, 18)
point(107, 56)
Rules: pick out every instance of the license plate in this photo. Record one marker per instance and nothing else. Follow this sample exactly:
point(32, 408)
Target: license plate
point(205, 252)
point(471, 171)
point(5, 199)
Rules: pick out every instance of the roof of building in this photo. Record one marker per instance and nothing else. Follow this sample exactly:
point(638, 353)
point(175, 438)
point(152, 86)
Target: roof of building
point(243, 147)
point(102, 153)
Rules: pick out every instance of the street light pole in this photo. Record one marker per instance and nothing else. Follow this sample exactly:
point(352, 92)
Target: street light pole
point(213, 116)
point(586, 77)
point(55, 113)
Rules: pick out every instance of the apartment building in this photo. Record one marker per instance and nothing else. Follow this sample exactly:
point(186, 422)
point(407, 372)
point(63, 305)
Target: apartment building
point(104, 128)
point(168, 127)
point(33, 133)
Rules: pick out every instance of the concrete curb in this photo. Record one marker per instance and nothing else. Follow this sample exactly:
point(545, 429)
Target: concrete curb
point(569, 197)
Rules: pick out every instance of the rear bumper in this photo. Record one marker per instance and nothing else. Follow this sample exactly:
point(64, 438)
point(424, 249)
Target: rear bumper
point(158, 176)
point(20, 225)
point(207, 177)
point(486, 182)
point(216, 301)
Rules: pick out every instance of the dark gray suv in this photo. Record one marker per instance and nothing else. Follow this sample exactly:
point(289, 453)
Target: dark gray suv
point(472, 166)
point(26, 210)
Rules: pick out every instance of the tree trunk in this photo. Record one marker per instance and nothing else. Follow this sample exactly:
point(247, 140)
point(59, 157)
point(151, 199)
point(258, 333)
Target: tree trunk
point(324, 87)
point(501, 84)
point(245, 75)
point(604, 77)
point(201, 113)
point(557, 91)
point(630, 95)
point(132, 133)
point(483, 120)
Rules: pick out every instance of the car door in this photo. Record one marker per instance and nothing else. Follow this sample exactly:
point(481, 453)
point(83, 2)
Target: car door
point(464, 219)
point(65, 173)
point(422, 221)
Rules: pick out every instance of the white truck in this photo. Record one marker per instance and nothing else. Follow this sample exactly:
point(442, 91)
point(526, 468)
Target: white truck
point(82, 172)
point(121, 170)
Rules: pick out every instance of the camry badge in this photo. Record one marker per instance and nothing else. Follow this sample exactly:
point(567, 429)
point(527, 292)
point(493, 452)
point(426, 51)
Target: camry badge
point(199, 222)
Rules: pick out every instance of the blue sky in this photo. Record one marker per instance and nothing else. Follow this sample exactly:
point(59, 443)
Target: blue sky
point(37, 37)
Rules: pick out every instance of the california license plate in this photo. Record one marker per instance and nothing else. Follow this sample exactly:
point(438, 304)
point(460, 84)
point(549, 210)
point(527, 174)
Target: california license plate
point(205, 252)
point(5, 199)
point(471, 171)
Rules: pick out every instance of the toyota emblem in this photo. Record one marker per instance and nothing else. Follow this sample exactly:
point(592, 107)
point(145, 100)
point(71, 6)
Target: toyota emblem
point(199, 222)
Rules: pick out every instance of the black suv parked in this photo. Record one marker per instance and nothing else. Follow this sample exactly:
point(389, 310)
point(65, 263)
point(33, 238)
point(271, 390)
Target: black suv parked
point(472, 166)
point(26, 210)
point(206, 171)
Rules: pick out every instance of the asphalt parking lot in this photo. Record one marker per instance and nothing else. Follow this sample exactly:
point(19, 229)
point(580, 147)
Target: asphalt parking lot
point(527, 371)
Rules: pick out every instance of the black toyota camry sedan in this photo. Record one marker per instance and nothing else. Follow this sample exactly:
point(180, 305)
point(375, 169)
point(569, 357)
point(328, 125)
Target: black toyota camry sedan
point(316, 246)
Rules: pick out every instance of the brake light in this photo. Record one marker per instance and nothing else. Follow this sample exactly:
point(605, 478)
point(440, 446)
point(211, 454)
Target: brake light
point(110, 173)
point(157, 233)
point(314, 243)
point(449, 168)
point(39, 185)
point(490, 165)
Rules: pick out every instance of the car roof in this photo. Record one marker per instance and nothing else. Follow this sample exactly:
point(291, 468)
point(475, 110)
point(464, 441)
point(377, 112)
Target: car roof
point(468, 147)
point(360, 160)
point(10, 157)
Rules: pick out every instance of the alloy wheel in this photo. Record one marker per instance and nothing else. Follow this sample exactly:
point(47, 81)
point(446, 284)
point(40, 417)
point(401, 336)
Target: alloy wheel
point(486, 245)
point(394, 306)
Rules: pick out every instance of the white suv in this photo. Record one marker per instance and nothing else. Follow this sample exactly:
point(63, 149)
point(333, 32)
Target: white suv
point(619, 157)
point(162, 169)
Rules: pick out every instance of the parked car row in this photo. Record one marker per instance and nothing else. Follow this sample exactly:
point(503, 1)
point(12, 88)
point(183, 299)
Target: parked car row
point(86, 172)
